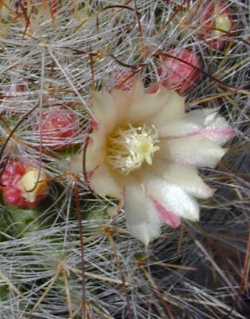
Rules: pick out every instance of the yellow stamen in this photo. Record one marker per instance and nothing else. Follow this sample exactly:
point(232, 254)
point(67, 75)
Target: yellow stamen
point(128, 148)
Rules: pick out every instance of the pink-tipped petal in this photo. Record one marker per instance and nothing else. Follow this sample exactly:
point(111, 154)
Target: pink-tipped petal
point(204, 123)
point(192, 150)
point(219, 135)
point(166, 216)
point(172, 197)
point(212, 125)
point(178, 128)
point(186, 177)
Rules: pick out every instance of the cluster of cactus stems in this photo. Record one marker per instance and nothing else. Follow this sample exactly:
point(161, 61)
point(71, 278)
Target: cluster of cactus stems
point(65, 251)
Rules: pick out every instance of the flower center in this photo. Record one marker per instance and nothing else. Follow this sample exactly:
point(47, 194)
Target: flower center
point(129, 147)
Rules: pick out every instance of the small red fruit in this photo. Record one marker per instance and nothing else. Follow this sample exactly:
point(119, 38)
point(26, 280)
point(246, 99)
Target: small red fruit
point(23, 186)
point(58, 127)
point(177, 75)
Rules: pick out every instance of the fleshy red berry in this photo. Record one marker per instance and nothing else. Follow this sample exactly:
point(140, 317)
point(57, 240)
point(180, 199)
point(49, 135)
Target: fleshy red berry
point(58, 127)
point(23, 186)
point(12, 173)
point(13, 197)
point(177, 75)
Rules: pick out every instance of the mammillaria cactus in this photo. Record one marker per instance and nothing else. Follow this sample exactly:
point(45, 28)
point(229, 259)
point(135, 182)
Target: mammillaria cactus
point(124, 133)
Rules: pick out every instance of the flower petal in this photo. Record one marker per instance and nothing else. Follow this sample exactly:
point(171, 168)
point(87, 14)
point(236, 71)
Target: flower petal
point(173, 198)
point(186, 177)
point(178, 128)
point(122, 102)
point(144, 105)
point(173, 109)
point(142, 220)
point(193, 150)
point(104, 183)
point(205, 123)
point(96, 148)
point(213, 126)
point(94, 154)
point(105, 109)
point(166, 216)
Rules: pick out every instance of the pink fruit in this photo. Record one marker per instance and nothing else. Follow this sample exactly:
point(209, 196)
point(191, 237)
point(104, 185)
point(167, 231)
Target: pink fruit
point(23, 186)
point(13, 196)
point(177, 75)
point(58, 127)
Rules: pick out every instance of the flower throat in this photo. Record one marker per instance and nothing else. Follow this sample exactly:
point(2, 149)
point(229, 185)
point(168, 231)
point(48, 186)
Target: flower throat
point(129, 147)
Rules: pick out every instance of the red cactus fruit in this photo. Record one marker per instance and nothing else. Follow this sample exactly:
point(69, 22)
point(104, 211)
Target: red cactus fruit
point(23, 186)
point(178, 75)
point(58, 127)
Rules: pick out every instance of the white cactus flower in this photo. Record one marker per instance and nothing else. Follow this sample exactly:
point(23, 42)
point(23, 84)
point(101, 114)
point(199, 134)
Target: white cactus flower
point(145, 151)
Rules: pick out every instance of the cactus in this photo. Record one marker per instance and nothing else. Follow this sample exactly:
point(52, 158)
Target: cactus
point(68, 253)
